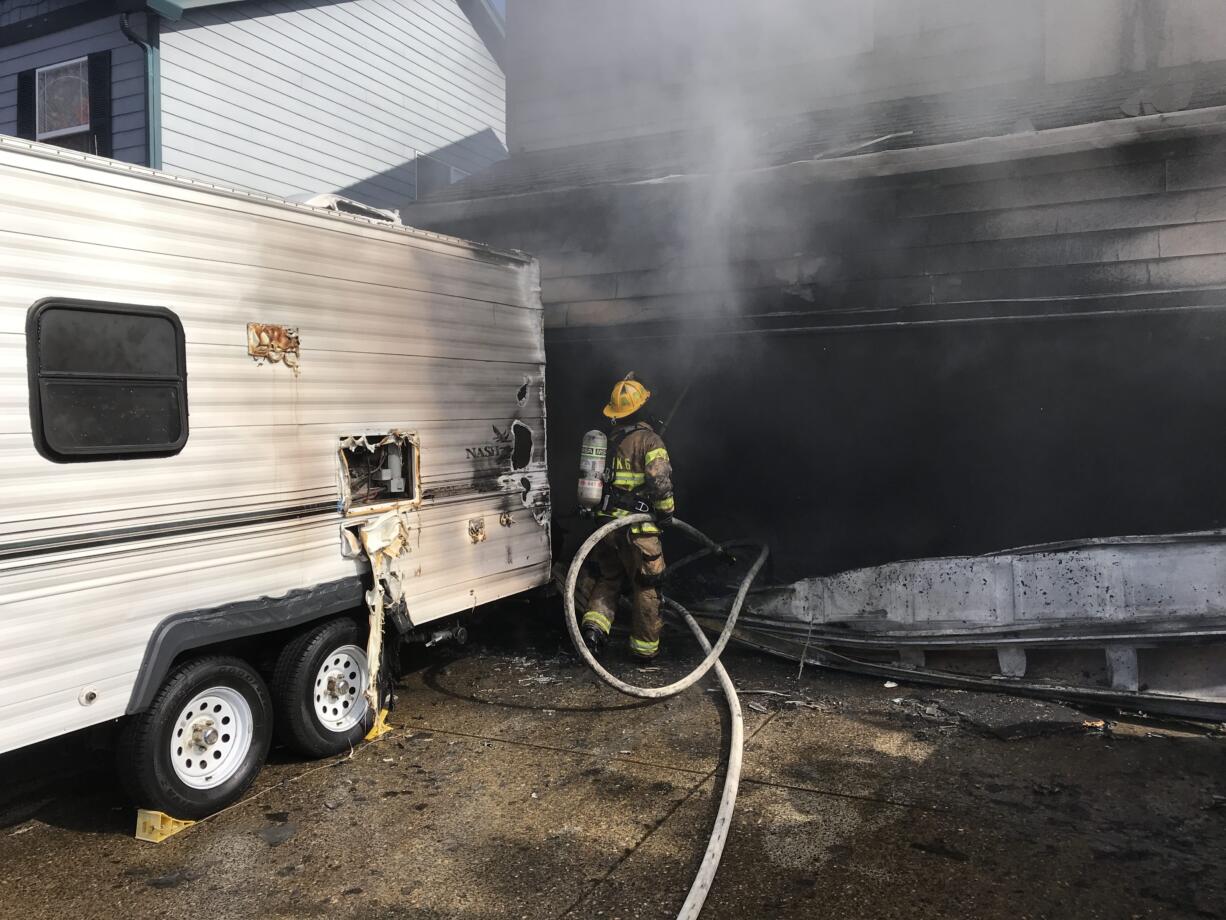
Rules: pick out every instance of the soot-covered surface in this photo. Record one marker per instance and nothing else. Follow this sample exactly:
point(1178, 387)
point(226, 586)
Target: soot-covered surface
point(851, 448)
point(517, 787)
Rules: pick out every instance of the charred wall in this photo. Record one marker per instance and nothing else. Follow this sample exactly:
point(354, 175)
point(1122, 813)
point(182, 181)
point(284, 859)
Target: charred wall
point(950, 361)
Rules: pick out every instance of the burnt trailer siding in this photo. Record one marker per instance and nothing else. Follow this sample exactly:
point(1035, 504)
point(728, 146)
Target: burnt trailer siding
point(313, 96)
point(949, 362)
point(127, 76)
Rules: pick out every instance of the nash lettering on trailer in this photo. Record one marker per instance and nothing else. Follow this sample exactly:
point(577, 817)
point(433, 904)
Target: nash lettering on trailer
point(497, 451)
point(501, 449)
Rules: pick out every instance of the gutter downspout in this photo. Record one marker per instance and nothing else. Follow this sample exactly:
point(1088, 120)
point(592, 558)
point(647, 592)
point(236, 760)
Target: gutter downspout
point(153, 85)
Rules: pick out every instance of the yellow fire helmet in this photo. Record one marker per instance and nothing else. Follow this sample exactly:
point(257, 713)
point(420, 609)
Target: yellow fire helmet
point(627, 398)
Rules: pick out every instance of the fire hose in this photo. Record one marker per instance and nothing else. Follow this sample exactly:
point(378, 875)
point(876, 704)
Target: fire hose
point(732, 778)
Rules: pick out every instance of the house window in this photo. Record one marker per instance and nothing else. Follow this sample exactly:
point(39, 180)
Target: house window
point(67, 104)
point(107, 381)
point(62, 103)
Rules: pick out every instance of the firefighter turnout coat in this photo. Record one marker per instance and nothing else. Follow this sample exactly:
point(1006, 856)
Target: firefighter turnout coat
point(639, 471)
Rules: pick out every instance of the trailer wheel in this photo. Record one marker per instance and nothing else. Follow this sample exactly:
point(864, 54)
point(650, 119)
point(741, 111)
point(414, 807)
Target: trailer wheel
point(319, 687)
point(198, 747)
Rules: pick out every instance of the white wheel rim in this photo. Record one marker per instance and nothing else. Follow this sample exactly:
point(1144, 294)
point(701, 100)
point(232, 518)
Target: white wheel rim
point(339, 691)
point(212, 737)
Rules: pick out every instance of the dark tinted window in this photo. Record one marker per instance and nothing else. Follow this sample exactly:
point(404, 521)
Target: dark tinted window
point(104, 342)
point(107, 381)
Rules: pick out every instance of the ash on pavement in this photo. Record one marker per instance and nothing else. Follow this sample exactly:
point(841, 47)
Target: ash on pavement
point(517, 786)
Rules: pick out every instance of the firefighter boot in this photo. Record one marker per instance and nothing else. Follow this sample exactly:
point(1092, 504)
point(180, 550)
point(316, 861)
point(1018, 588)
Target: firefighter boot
point(595, 631)
point(594, 639)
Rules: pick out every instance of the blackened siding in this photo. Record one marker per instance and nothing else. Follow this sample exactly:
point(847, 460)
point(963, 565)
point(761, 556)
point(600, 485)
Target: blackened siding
point(292, 98)
point(127, 78)
point(949, 362)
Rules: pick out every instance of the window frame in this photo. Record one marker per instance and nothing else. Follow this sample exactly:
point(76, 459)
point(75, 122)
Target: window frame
point(98, 138)
point(46, 136)
point(36, 376)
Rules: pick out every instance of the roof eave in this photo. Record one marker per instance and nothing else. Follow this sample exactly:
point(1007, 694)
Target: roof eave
point(167, 9)
point(489, 25)
point(172, 10)
point(486, 20)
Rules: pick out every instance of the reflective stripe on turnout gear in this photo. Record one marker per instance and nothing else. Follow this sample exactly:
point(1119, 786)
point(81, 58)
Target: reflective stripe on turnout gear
point(644, 648)
point(658, 454)
point(624, 564)
point(625, 477)
point(597, 619)
point(639, 471)
point(634, 528)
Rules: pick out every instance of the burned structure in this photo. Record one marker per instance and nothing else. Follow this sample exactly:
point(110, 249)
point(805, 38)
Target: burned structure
point(945, 279)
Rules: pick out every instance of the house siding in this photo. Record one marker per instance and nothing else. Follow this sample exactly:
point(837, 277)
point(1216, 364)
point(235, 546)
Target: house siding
point(887, 356)
point(10, 15)
point(945, 362)
point(127, 78)
point(309, 97)
point(588, 73)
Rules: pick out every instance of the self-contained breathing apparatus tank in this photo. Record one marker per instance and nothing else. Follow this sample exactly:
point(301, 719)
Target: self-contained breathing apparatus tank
point(592, 456)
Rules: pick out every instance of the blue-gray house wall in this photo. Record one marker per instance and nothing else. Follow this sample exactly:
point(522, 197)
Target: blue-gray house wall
point(20, 11)
point(311, 96)
point(127, 128)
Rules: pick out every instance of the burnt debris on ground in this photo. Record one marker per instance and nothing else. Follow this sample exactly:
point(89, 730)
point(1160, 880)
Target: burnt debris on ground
point(515, 785)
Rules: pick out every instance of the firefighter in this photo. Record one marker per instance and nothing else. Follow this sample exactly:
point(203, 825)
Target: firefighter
point(639, 479)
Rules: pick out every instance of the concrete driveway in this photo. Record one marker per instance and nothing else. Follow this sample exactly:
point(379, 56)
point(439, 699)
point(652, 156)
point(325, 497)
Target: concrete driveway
point(515, 786)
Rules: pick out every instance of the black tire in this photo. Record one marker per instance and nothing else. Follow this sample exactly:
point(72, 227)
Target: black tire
point(144, 752)
point(294, 689)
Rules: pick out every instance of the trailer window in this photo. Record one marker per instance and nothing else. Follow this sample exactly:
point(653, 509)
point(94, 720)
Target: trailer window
point(107, 381)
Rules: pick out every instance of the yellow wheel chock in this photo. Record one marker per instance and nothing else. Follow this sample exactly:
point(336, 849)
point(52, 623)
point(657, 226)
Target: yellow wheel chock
point(380, 728)
point(156, 826)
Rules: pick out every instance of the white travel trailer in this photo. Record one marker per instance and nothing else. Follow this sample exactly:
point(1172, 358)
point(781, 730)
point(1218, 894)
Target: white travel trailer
point(204, 395)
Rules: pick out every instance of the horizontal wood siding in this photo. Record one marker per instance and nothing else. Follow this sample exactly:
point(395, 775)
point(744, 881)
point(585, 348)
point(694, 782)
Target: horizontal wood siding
point(127, 78)
point(292, 98)
point(585, 73)
point(944, 362)
point(1140, 218)
point(22, 10)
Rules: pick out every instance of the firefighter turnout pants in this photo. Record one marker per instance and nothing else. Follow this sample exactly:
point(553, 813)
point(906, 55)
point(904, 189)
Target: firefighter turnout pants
point(636, 561)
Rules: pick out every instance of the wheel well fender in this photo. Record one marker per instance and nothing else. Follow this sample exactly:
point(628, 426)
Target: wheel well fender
point(198, 629)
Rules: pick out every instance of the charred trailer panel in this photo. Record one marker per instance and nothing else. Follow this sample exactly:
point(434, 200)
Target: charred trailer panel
point(204, 396)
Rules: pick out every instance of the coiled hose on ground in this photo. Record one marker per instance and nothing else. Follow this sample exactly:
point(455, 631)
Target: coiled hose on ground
point(732, 779)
